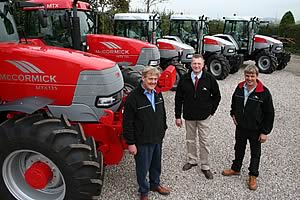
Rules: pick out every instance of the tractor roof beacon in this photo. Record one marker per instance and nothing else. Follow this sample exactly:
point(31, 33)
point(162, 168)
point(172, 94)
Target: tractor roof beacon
point(60, 118)
point(267, 52)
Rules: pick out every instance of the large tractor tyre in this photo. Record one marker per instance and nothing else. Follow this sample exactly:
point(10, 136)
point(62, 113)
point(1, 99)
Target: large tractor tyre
point(266, 62)
point(218, 66)
point(132, 78)
point(180, 70)
point(236, 63)
point(49, 159)
point(283, 59)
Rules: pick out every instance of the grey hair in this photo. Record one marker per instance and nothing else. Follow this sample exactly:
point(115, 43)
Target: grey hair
point(151, 70)
point(251, 69)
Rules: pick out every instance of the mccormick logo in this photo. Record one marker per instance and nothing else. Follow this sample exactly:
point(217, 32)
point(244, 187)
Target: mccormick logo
point(113, 48)
point(31, 73)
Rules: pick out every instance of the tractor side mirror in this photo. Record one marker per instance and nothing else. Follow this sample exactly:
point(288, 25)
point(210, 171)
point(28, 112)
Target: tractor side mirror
point(43, 18)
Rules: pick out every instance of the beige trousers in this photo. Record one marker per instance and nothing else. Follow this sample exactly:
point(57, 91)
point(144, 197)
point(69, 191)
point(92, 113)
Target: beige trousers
point(200, 128)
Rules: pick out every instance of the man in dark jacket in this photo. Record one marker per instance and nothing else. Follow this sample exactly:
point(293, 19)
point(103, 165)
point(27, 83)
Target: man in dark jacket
point(199, 95)
point(144, 127)
point(252, 112)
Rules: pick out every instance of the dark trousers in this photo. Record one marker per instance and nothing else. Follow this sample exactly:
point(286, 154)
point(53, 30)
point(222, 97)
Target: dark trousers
point(148, 159)
point(241, 137)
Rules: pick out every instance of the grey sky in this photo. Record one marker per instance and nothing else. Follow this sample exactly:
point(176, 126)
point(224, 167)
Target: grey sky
point(220, 8)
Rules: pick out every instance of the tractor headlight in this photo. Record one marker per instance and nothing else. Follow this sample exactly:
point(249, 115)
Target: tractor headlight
point(231, 50)
point(189, 56)
point(278, 48)
point(154, 62)
point(105, 102)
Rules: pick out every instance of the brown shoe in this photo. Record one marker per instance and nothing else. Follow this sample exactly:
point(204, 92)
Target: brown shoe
point(161, 190)
point(188, 166)
point(207, 174)
point(143, 197)
point(252, 183)
point(230, 172)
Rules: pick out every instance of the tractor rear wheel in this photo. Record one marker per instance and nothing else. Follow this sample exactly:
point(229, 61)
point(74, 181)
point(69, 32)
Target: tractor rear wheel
point(218, 66)
point(266, 62)
point(49, 159)
point(132, 78)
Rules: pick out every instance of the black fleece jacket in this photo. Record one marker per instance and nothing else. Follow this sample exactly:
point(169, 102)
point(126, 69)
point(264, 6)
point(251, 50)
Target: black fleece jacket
point(200, 103)
point(141, 124)
point(258, 113)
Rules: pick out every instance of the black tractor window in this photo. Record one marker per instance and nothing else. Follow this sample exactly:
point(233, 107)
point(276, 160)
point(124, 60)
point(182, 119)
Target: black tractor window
point(132, 29)
point(87, 24)
point(7, 27)
point(186, 30)
point(56, 33)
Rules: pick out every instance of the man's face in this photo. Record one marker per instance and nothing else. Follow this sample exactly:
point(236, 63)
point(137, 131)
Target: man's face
point(197, 65)
point(251, 79)
point(150, 81)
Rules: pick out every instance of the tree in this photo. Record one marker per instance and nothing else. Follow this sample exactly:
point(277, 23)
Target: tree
point(286, 21)
point(150, 3)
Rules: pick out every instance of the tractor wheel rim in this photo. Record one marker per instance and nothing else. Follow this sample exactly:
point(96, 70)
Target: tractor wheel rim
point(216, 68)
point(14, 167)
point(264, 63)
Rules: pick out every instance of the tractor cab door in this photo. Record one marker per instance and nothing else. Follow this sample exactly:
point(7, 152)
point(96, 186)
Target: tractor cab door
point(239, 31)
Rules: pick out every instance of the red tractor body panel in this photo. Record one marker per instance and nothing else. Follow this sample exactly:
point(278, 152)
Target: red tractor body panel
point(118, 49)
point(40, 74)
point(59, 4)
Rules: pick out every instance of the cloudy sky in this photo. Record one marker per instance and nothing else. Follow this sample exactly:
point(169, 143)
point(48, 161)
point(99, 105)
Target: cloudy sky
point(220, 8)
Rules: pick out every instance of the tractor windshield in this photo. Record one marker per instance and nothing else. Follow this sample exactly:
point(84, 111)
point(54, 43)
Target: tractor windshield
point(186, 30)
point(239, 30)
point(57, 32)
point(7, 26)
point(132, 29)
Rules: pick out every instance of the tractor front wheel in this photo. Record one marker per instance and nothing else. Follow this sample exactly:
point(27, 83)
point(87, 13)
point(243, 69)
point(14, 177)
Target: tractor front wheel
point(283, 59)
point(266, 62)
point(218, 66)
point(180, 70)
point(49, 159)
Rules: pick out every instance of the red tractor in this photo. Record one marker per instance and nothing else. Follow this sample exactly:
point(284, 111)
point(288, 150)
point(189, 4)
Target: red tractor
point(61, 116)
point(71, 24)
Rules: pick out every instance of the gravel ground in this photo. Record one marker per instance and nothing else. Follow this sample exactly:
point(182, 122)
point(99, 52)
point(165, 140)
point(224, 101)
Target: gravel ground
point(280, 163)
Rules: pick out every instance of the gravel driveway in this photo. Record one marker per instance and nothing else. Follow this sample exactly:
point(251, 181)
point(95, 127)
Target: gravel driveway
point(280, 163)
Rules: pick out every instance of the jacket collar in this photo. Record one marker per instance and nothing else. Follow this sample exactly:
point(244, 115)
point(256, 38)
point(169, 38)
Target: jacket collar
point(259, 87)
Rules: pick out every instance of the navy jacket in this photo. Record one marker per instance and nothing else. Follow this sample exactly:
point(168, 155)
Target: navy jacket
point(200, 103)
point(258, 113)
point(141, 124)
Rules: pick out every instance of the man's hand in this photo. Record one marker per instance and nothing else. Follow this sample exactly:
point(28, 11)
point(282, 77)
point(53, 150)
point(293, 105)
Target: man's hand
point(234, 120)
point(132, 149)
point(262, 138)
point(178, 122)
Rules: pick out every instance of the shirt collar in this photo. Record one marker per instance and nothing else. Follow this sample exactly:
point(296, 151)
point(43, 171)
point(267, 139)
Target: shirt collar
point(193, 75)
point(146, 91)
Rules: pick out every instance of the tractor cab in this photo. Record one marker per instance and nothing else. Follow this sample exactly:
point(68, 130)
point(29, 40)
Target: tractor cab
point(242, 30)
point(187, 28)
point(141, 26)
point(52, 22)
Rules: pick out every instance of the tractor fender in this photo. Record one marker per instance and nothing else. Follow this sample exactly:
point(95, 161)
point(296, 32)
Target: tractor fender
point(26, 105)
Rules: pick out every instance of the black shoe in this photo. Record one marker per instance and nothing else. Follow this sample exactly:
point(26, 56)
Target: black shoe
point(188, 166)
point(207, 174)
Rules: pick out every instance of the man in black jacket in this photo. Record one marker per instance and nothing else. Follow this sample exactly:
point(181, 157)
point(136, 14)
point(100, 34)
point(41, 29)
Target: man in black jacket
point(199, 95)
point(144, 127)
point(252, 112)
